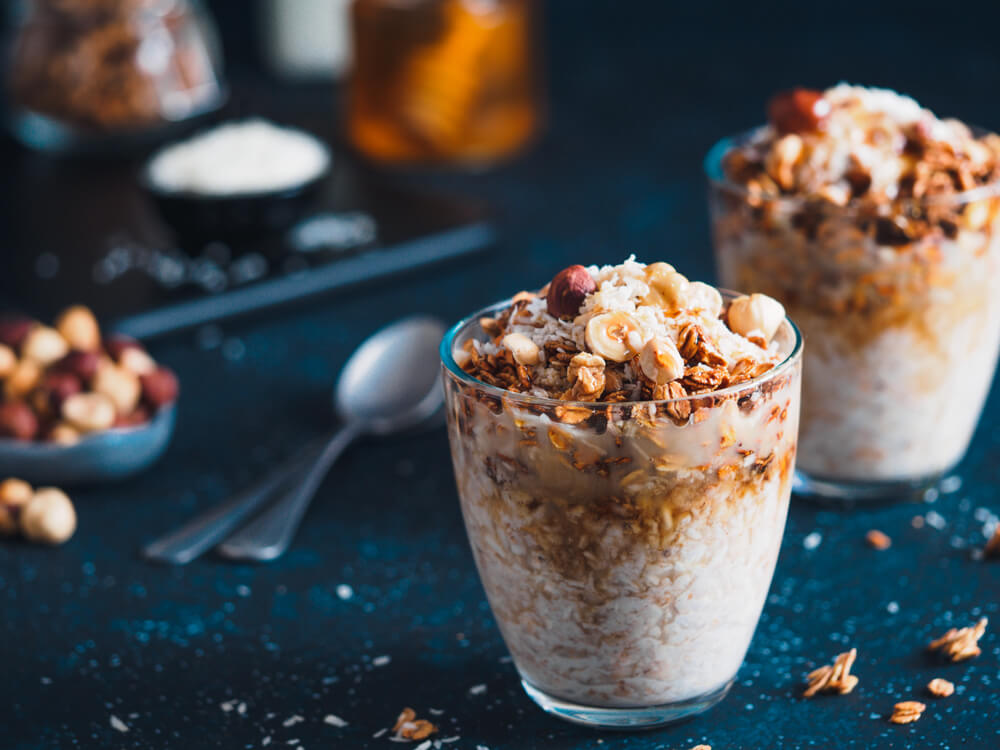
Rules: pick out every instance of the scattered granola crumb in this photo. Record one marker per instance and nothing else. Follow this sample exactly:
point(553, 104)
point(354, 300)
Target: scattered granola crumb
point(992, 548)
point(477, 689)
point(940, 687)
point(907, 712)
point(291, 721)
point(334, 721)
point(812, 541)
point(409, 727)
point(381, 661)
point(959, 644)
point(878, 540)
point(118, 724)
point(833, 679)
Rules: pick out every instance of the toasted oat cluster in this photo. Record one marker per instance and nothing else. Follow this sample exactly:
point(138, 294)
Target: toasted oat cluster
point(833, 679)
point(959, 644)
point(875, 149)
point(630, 332)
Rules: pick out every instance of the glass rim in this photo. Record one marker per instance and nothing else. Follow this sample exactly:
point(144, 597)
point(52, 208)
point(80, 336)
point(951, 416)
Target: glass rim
point(712, 164)
point(446, 351)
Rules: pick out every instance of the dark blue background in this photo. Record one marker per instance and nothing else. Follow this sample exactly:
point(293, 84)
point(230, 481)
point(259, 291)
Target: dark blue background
point(639, 92)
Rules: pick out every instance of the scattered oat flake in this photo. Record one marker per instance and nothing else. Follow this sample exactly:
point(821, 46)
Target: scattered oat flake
point(291, 721)
point(959, 644)
point(118, 724)
point(436, 711)
point(477, 689)
point(381, 661)
point(878, 540)
point(940, 687)
point(907, 712)
point(446, 740)
point(833, 679)
point(812, 541)
point(292, 742)
point(334, 721)
point(344, 591)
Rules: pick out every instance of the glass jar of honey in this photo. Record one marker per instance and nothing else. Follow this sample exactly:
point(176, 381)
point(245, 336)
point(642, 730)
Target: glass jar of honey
point(443, 81)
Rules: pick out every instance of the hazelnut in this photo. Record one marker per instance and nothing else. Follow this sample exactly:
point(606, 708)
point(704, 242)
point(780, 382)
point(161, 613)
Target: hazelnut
point(44, 345)
point(525, 350)
point(798, 111)
point(25, 376)
point(703, 297)
point(116, 345)
point(8, 360)
point(136, 418)
point(159, 388)
point(136, 360)
point(13, 331)
point(82, 364)
point(18, 421)
point(55, 388)
point(63, 433)
point(48, 517)
point(660, 361)
point(567, 291)
point(14, 495)
point(89, 412)
point(666, 286)
point(615, 336)
point(80, 329)
point(756, 314)
point(120, 385)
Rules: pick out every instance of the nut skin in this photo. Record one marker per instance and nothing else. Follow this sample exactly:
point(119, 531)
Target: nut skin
point(798, 110)
point(14, 495)
point(13, 331)
point(159, 388)
point(79, 327)
point(82, 364)
point(120, 385)
point(44, 345)
point(89, 412)
point(8, 360)
point(567, 291)
point(49, 517)
point(18, 421)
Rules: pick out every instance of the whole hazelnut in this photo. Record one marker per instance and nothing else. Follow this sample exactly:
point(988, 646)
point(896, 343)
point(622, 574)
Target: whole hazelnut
point(8, 360)
point(118, 384)
point(22, 380)
point(14, 495)
point(136, 418)
point(44, 345)
point(159, 388)
point(89, 412)
point(79, 327)
point(18, 421)
point(63, 433)
point(13, 331)
point(55, 388)
point(117, 344)
point(82, 364)
point(798, 111)
point(755, 315)
point(567, 291)
point(136, 360)
point(48, 517)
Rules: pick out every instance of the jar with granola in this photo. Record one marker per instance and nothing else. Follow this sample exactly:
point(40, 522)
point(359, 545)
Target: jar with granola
point(624, 444)
point(875, 223)
point(100, 74)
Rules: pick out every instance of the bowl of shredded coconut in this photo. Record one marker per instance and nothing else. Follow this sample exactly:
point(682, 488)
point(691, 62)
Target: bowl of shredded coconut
point(238, 179)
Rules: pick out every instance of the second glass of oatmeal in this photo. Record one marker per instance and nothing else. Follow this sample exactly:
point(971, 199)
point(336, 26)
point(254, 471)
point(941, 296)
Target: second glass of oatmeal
point(876, 225)
point(624, 445)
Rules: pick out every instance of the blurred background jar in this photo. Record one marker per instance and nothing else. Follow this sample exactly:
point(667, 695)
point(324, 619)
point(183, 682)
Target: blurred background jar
point(443, 81)
point(99, 74)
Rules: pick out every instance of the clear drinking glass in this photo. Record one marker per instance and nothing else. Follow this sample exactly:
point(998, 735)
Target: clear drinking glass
point(902, 332)
point(626, 548)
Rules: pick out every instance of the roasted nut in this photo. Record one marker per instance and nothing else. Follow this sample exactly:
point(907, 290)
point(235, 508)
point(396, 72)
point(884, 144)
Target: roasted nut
point(22, 380)
point(798, 111)
point(80, 329)
point(82, 364)
point(13, 331)
point(781, 160)
point(660, 361)
point(55, 388)
point(159, 388)
point(134, 419)
point(755, 314)
point(525, 350)
point(89, 412)
point(18, 421)
point(137, 360)
point(567, 291)
point(8, 360)
point(63, 433)
point(615, 336)
point(14, 495)
point(120, 385)
point(116, 345)
point(704, 297)
point(666, 287)
point(48, 517)
point(44, 345)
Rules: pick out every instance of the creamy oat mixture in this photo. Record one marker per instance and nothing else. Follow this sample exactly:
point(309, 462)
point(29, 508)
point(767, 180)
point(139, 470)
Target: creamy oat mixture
point(873, 222)
point(626, 546)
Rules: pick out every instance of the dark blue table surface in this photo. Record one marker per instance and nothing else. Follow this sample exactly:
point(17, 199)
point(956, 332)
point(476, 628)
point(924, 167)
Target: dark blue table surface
point(89, 630)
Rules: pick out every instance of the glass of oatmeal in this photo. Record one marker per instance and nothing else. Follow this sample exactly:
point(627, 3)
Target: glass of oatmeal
point(876, 225)
point(624, 445)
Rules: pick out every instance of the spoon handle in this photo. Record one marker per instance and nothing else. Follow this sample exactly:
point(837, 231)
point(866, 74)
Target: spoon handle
point(268, 536)
point(194, 538)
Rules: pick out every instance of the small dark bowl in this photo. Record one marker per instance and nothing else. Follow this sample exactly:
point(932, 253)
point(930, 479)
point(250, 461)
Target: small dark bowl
point(103, 456)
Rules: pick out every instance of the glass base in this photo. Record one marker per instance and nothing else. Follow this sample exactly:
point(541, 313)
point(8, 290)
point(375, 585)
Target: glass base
point(640, 717)
point(849, 492)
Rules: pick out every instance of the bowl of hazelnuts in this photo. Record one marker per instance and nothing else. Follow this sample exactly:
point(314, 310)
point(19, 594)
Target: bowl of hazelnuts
point(76, 406)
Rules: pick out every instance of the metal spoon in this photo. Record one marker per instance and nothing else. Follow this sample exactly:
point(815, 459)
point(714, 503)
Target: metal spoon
point(391, 383)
